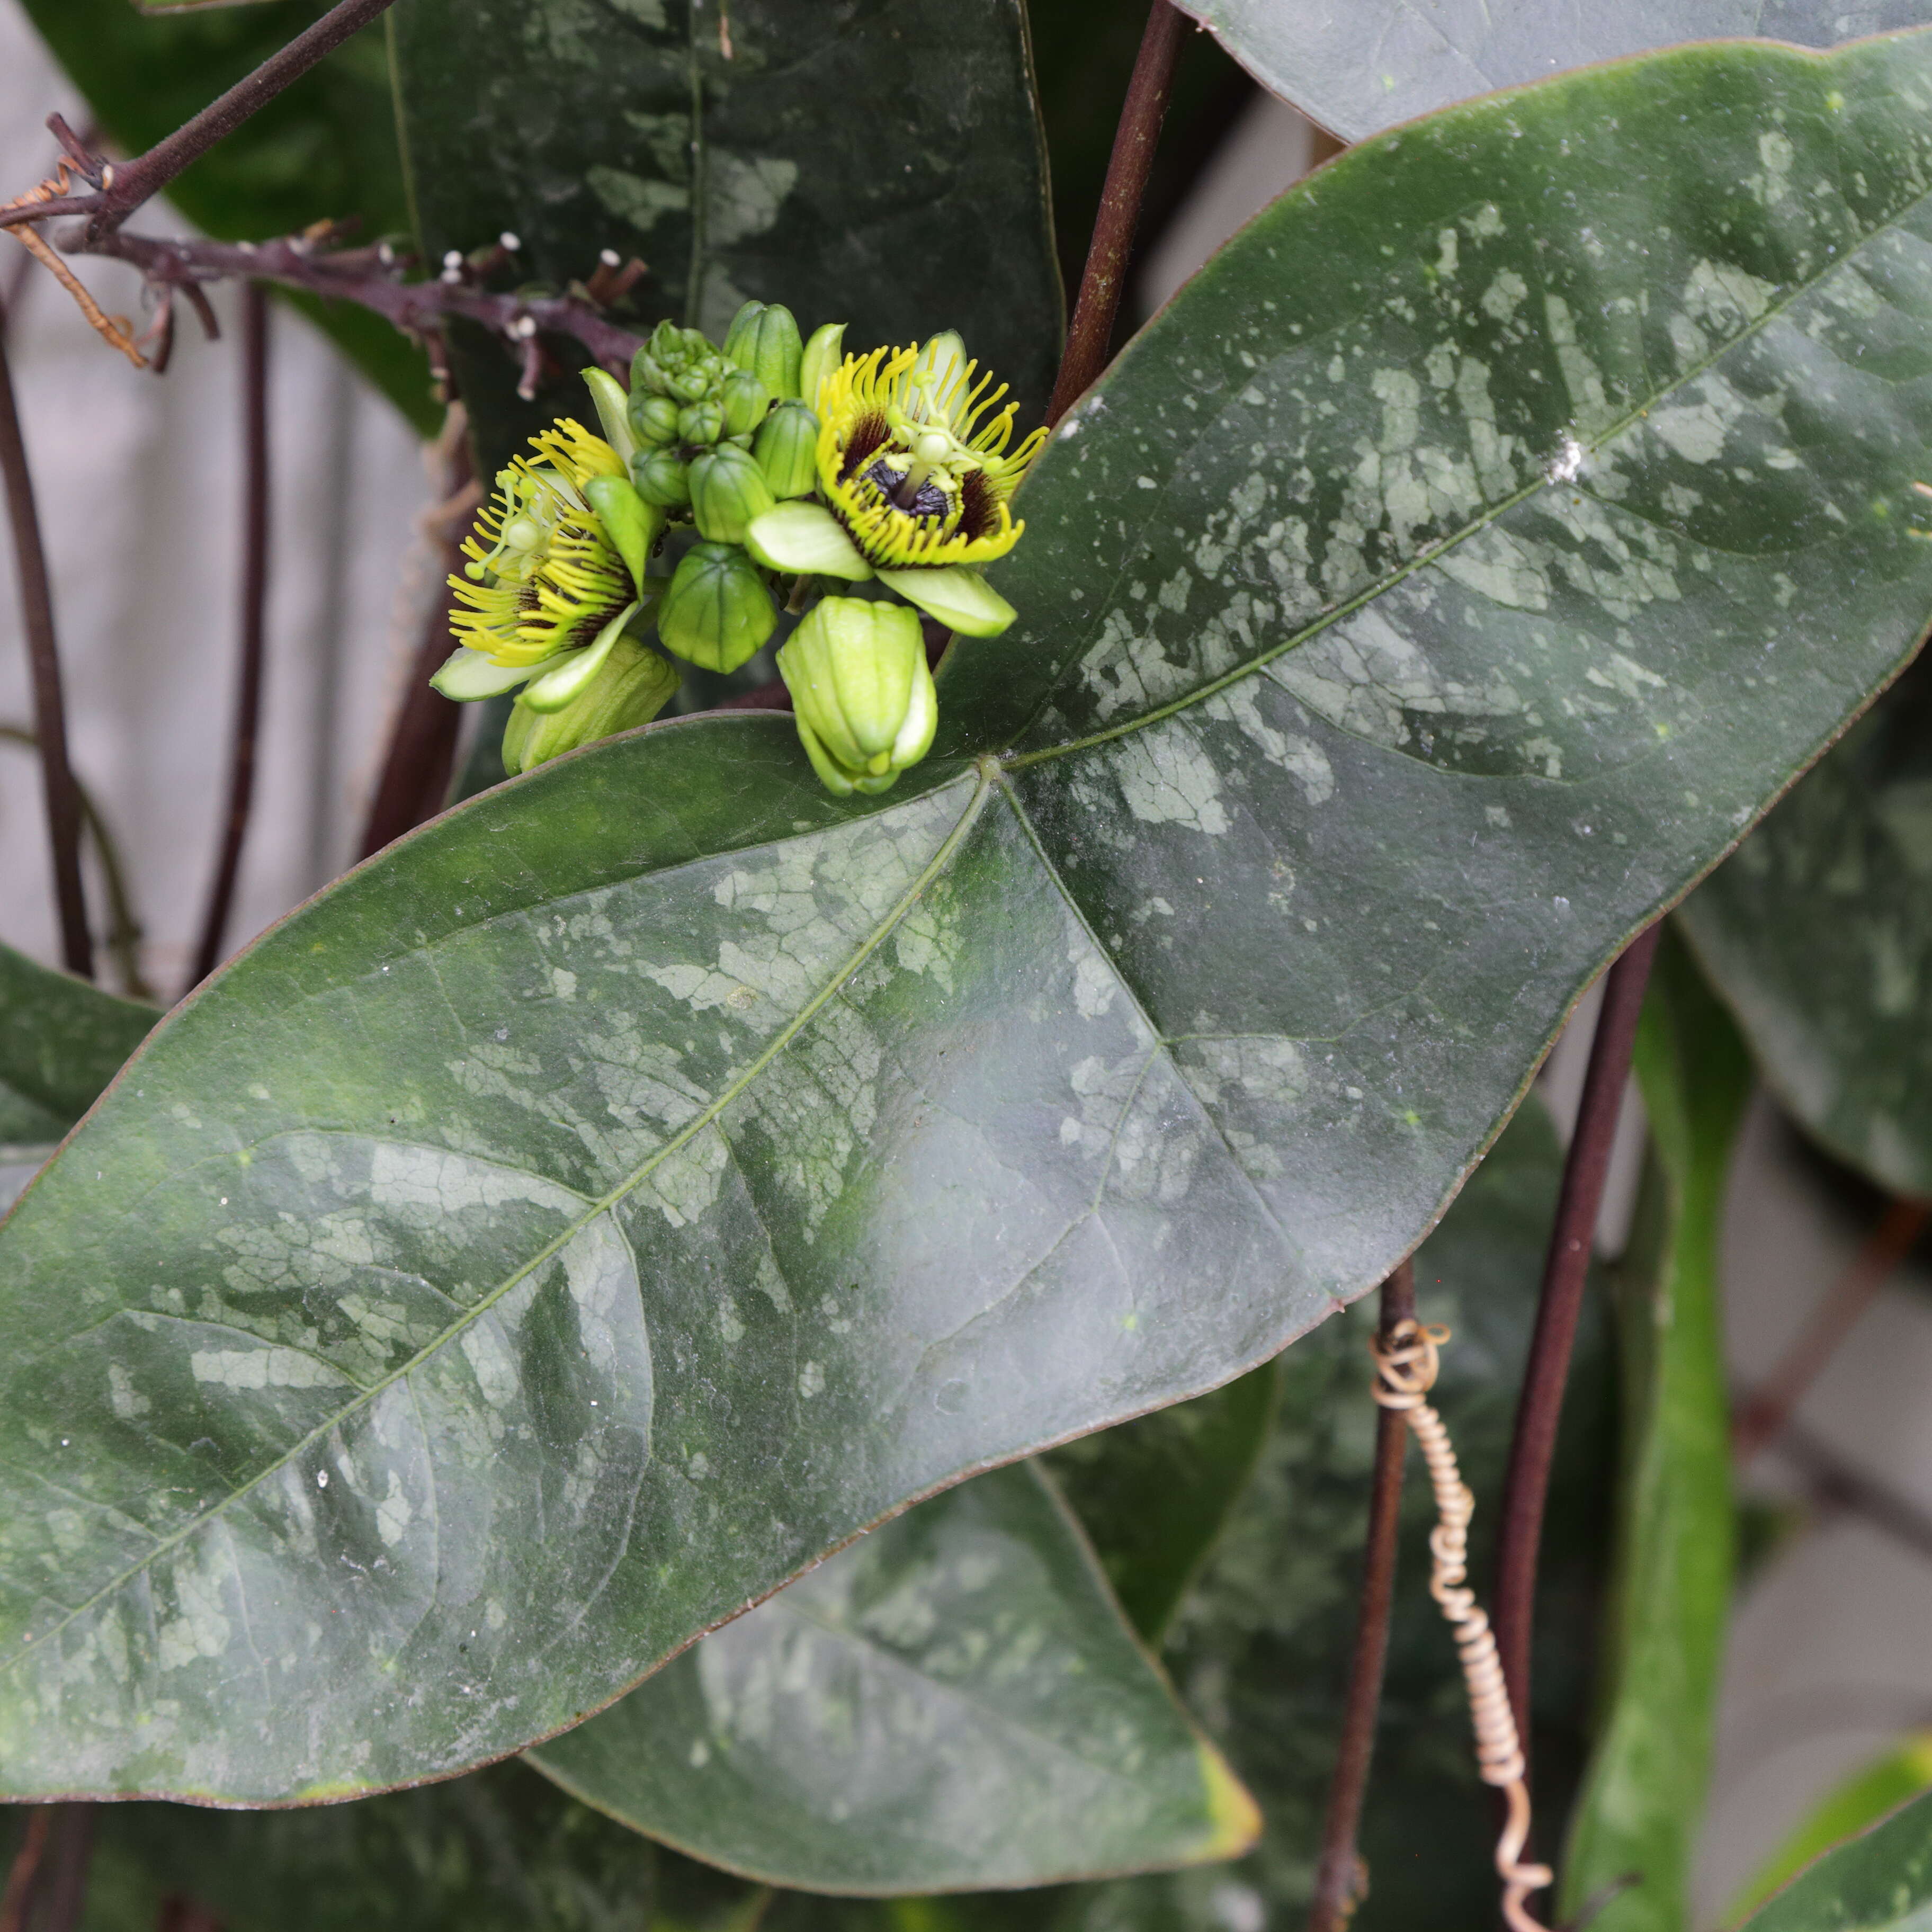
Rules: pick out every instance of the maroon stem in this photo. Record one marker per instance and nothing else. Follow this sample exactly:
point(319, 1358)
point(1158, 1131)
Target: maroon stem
point(67, 1879)
point(254, 611)
point(415, 779)
point(1337, 1877)
point(1566, 1268)
point(1141, 114)
point(126, 187)
point(37, 615)
point(25, 1869)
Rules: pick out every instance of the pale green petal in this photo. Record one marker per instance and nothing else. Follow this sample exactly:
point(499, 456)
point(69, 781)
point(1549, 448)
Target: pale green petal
point(466, 675)
point(568, 674)
point(805, 538)
point(961, 599)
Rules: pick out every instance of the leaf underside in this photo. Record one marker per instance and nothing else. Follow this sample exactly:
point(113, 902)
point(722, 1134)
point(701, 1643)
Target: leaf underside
point(591, 1211)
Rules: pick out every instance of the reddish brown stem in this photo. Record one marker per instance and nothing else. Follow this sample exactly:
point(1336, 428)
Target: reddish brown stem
point(1337, 1877)
point(1765, 1413)
point(25, 1868)
point(66, 1888)
point(1566, 1268)
point(125, 187)
point(254, 614)
point(36, 616)
point(415, 778)
point(1144, 110)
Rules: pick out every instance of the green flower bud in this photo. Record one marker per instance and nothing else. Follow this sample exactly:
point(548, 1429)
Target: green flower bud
point(648, 376)
point(700, 423)
point(822, 354)
point(633, 686)
point(861, 693)
point(787, 447)
point(667, 344)
point(689, 385)
point(745, 401)
point(662, 479)
point(718, 612)
point(727, 490)
point(654, 421)
point(764, 340)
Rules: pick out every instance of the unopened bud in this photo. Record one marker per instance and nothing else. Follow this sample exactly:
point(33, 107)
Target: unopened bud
point(745, 401)
point(662, 479)
point(727, 490)
point(654, 421)
point(633, 686)
point(822, 354)
point(700, 423)
point(689, 385)
point(718, 612)
point(764, 339)
point(649, 377)
point(786, 448)
point(861, 692)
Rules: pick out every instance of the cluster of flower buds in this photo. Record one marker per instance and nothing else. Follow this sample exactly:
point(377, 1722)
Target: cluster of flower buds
point(796, 468)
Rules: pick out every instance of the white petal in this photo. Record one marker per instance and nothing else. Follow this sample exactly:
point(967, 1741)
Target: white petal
point(568, 675)
point(466, 675)
point(961, 599)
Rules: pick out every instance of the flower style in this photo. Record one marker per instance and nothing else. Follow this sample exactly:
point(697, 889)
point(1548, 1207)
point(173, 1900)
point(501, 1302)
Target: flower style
point(914, 480)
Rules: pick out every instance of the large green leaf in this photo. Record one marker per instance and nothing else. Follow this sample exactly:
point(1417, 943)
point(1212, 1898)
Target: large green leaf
point(325, 147)
point(62, 1040)
point(880, 163)
point(955, 1701)
point(653, 1172)
point(497, 1851)
point(1261, 1649)
point(1818, 934)
point(1880, 1882)
point(1670, 1603)
point(1358, 69)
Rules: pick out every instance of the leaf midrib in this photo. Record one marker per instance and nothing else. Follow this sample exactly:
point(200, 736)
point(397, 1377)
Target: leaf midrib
point(779, 1042)
point(1013, 761)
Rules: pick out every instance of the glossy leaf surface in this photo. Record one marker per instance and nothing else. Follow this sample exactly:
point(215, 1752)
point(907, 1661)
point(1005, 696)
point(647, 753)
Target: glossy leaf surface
point(1880, 1882)
point(62, 1040)
point(325, 148)
point(1670, 1600)
point(1818, 934)
point(1357, 69)
point(593, 1210)
point(880, 164)
point(955, 1701)
point(1261, 1649)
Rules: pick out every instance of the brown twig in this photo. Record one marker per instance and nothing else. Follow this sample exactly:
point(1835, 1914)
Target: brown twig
point(120, 189)
point(1835, 1483)
point(1769, 1409)
point(66, 1876)
point(1338, 1886)
point(415, 778)
point(254, 616)
point(1566, 1268)
point(25, 1868)
point(1142, 115)
point(37, 615)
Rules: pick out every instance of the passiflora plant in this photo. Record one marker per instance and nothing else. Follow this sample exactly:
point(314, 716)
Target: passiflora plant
point(527, 1395)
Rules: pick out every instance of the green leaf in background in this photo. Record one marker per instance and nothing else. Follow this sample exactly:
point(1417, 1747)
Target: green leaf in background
point(1261, 1650)
point(1881, 1882)
point(1155, 1493)
point(739, 1166)
point(324, 148)
point(1670, 1600)
point(1358, 69)
point(1859, 1803)
point(955, 1701)
point(62, 1040)
point(880, 164)
point(1818, 935)
point(498, 1852)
